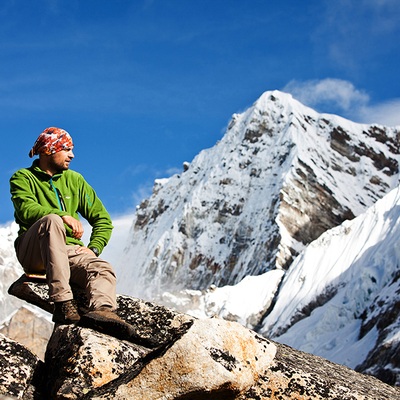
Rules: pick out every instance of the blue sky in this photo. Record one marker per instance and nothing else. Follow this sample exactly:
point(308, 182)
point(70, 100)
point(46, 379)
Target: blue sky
point(143, 86)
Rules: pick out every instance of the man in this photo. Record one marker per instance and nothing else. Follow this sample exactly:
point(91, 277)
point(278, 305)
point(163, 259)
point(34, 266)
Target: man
point(48, 198)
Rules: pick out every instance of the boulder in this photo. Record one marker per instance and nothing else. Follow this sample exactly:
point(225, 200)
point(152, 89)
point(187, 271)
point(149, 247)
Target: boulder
point(172, 356)
point(87, 360)
point(30, 329)
point(19, 369)
point(215, 359)
point(154, 326)
point(297, 375)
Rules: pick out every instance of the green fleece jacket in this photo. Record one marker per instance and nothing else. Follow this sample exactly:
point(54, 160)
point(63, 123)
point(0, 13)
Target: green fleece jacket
point(35, 194)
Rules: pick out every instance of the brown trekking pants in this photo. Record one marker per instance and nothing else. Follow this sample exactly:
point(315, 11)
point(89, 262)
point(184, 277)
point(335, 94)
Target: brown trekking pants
point(42, 249)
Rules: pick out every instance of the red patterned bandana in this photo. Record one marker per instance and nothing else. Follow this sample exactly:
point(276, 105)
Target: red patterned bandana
point(50, 141)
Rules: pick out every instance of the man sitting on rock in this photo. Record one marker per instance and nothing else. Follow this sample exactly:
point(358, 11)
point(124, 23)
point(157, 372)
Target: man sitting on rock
point(47, 199)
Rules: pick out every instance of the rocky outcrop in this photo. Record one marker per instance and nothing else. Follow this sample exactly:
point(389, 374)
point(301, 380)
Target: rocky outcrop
point(297, 375)
point(178, 357)
point(213, 357)
point(19, 369)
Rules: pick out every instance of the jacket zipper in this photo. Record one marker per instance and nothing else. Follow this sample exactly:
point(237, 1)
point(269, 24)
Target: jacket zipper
point(60, 200)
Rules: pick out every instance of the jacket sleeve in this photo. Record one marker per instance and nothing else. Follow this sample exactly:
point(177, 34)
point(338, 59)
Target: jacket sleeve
point(26, 203)
point(92, 209)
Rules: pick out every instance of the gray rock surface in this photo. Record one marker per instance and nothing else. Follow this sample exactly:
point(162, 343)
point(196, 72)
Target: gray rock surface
point(214, 359)
point(175, 357)
point(297, 375)
point(18, 367)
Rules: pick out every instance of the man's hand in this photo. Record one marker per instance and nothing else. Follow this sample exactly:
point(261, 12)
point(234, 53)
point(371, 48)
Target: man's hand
point(75, 225)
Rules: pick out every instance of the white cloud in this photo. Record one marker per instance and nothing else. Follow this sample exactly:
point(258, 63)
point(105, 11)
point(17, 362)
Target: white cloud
point(336, 92)
point(386, 113)
point(339, 96)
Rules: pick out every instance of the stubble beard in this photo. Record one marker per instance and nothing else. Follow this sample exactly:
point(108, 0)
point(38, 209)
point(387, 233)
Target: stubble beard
point(58, 166)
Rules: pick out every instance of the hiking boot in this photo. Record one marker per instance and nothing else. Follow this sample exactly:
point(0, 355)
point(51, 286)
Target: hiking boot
point(105, 320)
point(65, 312)
point(106, 316)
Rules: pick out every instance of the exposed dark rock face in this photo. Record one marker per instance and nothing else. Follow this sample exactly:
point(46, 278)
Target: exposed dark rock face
point(299, 213)
point(384, 315)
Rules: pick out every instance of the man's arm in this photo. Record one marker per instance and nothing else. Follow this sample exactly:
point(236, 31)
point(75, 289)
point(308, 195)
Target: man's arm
point(93, 210)
point(28, 207)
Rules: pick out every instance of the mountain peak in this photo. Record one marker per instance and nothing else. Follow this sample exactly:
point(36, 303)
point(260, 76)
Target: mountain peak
point(276, 181)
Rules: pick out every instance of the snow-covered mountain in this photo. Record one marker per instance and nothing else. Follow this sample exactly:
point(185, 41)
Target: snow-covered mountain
point(10, 270)
point(288, 225)
point(249, 222)
point(339, 299)
point(281, 176)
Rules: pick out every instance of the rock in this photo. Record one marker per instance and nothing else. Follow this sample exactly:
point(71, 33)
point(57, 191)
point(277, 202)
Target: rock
point(153, 323)
point(215, 359)
point(297, 375)
point(87, 360)
point(33, 291)
point(91, 362)
point(154, 326)
point(18, 369)
point(30, 329)
point(193, 359)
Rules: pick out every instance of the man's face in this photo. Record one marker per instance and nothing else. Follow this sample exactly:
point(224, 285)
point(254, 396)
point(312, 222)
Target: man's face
point(60, 161)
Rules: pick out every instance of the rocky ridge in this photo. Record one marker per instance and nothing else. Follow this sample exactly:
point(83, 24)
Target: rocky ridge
point(191, 359)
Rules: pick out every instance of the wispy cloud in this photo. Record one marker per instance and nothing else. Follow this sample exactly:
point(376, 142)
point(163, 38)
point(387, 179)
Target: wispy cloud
point(386, 113)
point(352, 33)
point(143, 189)
point(342, 97)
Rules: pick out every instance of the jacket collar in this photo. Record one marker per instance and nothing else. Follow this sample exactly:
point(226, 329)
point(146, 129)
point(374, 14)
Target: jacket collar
point(42, 174)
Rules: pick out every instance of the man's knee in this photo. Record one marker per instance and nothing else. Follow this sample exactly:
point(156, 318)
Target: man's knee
point(53, 223)
point(52, 220)
point(107, 269)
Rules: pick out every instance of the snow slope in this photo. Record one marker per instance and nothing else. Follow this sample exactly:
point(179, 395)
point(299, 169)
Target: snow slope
point(331, 290)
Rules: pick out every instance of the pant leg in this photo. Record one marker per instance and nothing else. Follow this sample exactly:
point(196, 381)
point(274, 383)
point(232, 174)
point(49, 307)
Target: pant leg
point(95, 275)
point(42, 249)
